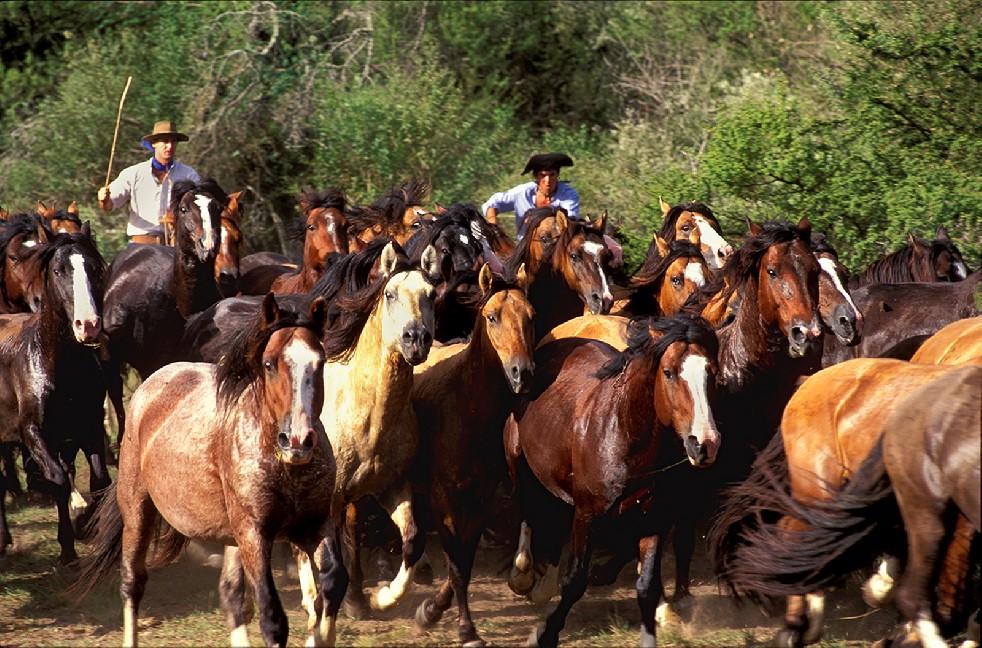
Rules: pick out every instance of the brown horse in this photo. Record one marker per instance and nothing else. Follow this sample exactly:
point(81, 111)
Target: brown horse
point(461, 403)
point(662, 286)
point(51, 385)
point(831, 423)
point(958, 343)
point(60, 221)
point(696, 223)
point(925, 459)
point(397, 214)
point(322, 229)
point(839, 312)
point(918, 260)
point(20, 276)
point(233, 454)
point(368, 412)
point(229, 255)
point(601, 431)
point(567, 265)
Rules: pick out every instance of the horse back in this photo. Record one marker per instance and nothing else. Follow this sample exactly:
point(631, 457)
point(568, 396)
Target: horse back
point(957, 343)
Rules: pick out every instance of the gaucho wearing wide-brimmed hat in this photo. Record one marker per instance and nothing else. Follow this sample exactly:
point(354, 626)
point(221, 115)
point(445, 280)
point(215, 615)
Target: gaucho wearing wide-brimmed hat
point(544, 190)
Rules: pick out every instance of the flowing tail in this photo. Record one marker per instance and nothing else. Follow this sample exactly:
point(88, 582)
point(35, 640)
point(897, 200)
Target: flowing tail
point(106, 530)
point(843, 534)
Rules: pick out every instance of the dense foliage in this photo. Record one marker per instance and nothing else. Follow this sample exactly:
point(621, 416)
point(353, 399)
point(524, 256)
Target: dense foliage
point(861, 116)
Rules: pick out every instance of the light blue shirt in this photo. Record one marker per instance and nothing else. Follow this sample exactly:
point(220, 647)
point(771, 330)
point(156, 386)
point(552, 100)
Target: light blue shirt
point(520, 199)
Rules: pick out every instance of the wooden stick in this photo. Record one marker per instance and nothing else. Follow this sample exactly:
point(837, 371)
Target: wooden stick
point(119, 115)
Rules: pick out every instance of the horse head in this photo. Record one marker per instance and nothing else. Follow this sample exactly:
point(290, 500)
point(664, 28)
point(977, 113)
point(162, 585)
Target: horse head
point(696, 223)
point(325, 226)
point(75, 282)
point(230, 246)
point(506, 319)
point(838, 310)
point(408, 321)
point(945, 259)
point(679, 271)
point(21, 276)
point(197, 209)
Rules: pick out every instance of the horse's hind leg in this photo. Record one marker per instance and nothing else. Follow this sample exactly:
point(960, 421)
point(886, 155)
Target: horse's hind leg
point(234, 597)
point(651, 591)
point(139, 516)
point(925, 531)
point(954, 577)
point(400, 508)
point(5, 538)
point(355, 604)
point(333, 580)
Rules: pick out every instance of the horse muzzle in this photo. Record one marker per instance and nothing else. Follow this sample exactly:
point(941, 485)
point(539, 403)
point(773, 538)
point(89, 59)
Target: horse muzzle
point(702, 454)
point(87, 331)
point(599, 304)
point(416, 342)
point(804, 339)
point(296, 449)
point(847, 325)
point(519, 376)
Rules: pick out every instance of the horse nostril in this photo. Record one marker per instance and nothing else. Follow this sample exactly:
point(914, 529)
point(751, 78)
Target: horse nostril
point(309, 441)
point(283, 439)
point(799, 334)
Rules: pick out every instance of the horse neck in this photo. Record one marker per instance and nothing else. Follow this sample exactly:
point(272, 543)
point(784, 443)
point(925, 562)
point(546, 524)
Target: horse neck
point(193, 283)
point(747, 344)
point(312, 267)
point(553, 300)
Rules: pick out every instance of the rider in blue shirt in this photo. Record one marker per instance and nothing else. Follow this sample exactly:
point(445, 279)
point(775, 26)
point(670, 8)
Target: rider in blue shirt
point(543, 191)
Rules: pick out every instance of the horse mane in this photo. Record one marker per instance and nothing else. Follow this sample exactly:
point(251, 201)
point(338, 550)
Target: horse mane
point(457, 215)
point(652, 272)
point(388, 209)
point(641, 344)
point(349, 272)
point(47, 250)
point(241, 364)
point(19, 223)
point(207, 186)
point(742, 266)
point(332, 198)
point(820, 245)
point(342, 338)
point(667, 231)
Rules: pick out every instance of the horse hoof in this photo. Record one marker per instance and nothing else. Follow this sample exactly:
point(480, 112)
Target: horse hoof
point(648, 639)
point(878, 592)
point(425, 621)
point(521, 582)
point(474, 643)
point(665, 615)
point(424, 573)
point(534, 640)
point(787, 639)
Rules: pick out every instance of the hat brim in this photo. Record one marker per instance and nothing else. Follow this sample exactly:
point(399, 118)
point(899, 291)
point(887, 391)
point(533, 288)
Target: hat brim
point(178, 137)
point(547, 161)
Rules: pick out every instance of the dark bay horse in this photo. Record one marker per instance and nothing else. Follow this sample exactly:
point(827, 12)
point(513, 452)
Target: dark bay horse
point(567, 265)
point(397, 214)
point(153, 289)
point(368, 412)
point(20, 278)
point(52, 389)
point(233, 454)
point(840, 314)
point(924, 462)
point(461, 402)
point(322, 229)
point(919, 259)
point(602, 431)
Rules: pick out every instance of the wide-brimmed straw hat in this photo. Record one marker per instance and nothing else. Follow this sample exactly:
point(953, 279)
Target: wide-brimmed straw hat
point(164, 130)
point(547, 161)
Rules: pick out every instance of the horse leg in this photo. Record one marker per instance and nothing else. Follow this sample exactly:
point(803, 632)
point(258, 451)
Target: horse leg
point(878, 589)
point(5, 538)
point(333, 583)
point(399, 506)
point(953, 578)
point(233, 594)
point(254, 554)
point(114, 390)
point(925, 531)
point(459, 549)
point(521, 579)
point(355, 604)
point(574, 584)
point(139, 516)
point(651, 591)
point(11, 482)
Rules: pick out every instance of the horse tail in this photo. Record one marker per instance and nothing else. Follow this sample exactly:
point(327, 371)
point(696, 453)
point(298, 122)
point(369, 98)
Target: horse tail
point(106, 530)
point(841, 535)
point(168, 546)
point(743, 511)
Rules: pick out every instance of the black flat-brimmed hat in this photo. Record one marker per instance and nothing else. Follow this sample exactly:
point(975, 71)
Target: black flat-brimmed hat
point(165, 130)
point(547, 161)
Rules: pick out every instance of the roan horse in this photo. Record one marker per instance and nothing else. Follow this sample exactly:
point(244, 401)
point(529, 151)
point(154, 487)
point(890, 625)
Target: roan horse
point(153, 289)
point(925, 461)
point(52, 390)
point(461, 403)
point(235, 454)
point(368, 413)
point(600, 431)
point(918, 260)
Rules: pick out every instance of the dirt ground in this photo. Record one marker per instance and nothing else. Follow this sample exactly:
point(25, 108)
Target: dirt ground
point(181, 605)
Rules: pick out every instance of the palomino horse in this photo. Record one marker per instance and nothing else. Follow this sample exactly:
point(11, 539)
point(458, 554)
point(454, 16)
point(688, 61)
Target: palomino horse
point(52, 390)
point(368, 412)
point(601, 431)
point(898, 316)
point(461, 403)
point(566, 261)
point(153, 289)
point(918, 260)
point(233, 454)
point(227, 269)
point(846, 524)
point(397, 214)
point(696, 223)
point(323, 230)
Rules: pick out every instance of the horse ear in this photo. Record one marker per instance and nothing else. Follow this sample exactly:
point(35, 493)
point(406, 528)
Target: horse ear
point(562, 222)
point(233, 201)
point(601, 223)
point(42, 233)
point(484, 279)
point(439, 209)
point(806, 228)
point(86, 230)
point(430, 263)
point(318, 314)
point(662, 245)
point(43, 210)
point(911, 239)
point(665, 207)
point(73, 208)
point(389, 259)
point(942, 233)
point(271, 311)
point(754, 228)
point(522, 278)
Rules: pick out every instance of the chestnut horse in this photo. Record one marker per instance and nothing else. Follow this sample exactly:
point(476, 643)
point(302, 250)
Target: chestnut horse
point(696, 223)
point(918, 260)
point(958, 343)
point(923, 457)
point(323, 230)
point(51, 385)
point(397, 214)
point(461, 403)
point(60, 221)
point(567, 265)
point(20, 278)
point(233, 454)
point(663, 284)
point(227, 268)
point(153, 289)
point(601, 431)
point(368, 412)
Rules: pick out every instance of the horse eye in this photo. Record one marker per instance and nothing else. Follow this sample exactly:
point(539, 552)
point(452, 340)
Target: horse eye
point(311, 227)
point(686, 228)
point(389, 295)
point(493, 318)
point(268, 365)
point(575, 257)
point(668, 373)
point(771, 273)
point(417, 225)
point(676, 281)
point(184, 209)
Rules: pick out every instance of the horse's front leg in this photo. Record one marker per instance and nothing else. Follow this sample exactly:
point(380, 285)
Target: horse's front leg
point(60, 491)
point(234, 597)
point(254, 554)
point(651, 591)
point(574, 583)
point(333, 579)
point(398, 504)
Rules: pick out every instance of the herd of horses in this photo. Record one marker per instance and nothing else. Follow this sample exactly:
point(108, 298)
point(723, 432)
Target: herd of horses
point(412, 365)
